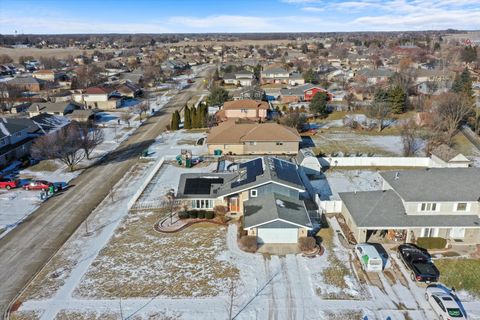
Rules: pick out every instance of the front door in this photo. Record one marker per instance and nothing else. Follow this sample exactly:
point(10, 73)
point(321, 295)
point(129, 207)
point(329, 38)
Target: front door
point(234, 204)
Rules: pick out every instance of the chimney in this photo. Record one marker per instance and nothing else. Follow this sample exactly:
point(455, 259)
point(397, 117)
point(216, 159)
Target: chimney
point(38, 108)
point(397, 175)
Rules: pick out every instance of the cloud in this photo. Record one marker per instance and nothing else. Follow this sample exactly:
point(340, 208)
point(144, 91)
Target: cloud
point(300, 1)
point(225, 23)
point(313, 9)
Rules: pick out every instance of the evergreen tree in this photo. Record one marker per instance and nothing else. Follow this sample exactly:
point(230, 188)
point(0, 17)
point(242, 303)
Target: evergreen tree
point(187, 122)
point(469, 54)
point(318, 105)
point(175, 123)
point(398, 99)
point(463, 83)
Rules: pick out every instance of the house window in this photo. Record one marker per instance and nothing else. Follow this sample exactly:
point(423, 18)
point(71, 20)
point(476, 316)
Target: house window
point(279, 143)
point(18, 134)
point(429, 207)
point(202, 204)
point(253, 193)
point(253, 143)
point(462, 206)
point(430, 232)
point(243, 110)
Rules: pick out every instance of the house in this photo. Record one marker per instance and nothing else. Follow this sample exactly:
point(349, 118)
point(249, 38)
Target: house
point(244, 109)
point(250, 93)
point(274, 75)
point(436, 202)
point(242, 78)
point(54, 108)
point(253, 138)
point(45, 75)
point(16, 137)
point(265, 191)
point(98, 97)
point(301, 93)
point(26, 83)
point(375, 76)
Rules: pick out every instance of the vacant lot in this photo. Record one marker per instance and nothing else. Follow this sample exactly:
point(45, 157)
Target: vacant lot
point(461, 274)
point(140, 262)
point(37, 53)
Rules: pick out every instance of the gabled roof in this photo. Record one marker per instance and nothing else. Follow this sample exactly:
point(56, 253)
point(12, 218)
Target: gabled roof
point(274, 208)
point(448, 154)
point(384, 209)
point(435, 184)
point(299, 90)
point(245, 104)
point(96, 90)
point(9, 126)
point(235, 133)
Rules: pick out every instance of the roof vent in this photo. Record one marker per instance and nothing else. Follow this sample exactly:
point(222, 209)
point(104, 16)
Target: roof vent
point(280, 203)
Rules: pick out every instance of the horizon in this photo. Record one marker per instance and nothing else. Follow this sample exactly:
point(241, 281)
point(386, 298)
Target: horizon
point(53, 17)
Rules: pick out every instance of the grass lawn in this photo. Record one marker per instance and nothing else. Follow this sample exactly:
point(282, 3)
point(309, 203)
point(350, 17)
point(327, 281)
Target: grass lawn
point(460, 273)
point(140, 262)
point(463, 145)
point(44, 165)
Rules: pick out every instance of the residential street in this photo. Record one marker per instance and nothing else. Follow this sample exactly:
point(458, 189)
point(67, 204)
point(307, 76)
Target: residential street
point(26, 249)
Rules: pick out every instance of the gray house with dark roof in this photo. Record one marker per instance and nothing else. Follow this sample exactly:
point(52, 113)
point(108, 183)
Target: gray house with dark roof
point(266, 191)
point(437, 202)
point(16, 137)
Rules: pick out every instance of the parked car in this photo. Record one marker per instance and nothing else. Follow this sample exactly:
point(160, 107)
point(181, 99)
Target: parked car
point(9, 183)
point(37, 185)
point(445, 304)
point(419, 262)
point(369, 257)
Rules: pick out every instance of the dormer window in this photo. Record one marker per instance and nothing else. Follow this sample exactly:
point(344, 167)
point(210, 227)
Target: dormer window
point(462, 207)
point(429, 207)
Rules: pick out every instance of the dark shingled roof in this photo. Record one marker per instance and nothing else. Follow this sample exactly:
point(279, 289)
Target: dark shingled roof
point(275, 208)
point(436, 184)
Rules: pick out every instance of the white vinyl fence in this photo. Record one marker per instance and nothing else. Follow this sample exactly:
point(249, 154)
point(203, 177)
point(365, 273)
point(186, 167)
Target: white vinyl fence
point(376, 162)
point(328, 206)
point(145, 183)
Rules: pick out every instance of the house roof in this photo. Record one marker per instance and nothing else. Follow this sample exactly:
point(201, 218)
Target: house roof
point(250, 174)
point(384, 209)
point(275, 209)
point(24, 81)
point(298, 90)
point(9, 126)
point(245, 104)
point(435, 184)
point(96, 90)
point(373, 73)
point(235, 133)
point(446, 153)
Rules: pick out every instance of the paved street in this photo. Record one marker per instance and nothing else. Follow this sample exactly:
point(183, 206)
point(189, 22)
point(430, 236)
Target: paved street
point(25, 250)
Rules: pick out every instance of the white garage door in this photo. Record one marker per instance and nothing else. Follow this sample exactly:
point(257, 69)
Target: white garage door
point(276, 235)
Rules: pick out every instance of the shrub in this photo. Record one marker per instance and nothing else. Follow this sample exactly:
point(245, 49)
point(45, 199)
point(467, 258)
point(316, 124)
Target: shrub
point(209, 215)
point(193, 214)
point(249, 243)
point(306, 243)
point(183, 215)
point(221, 211)
point(432, 242)
point(201, 214)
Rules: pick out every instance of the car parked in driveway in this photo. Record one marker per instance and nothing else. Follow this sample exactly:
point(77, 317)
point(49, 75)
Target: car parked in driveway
point(445, 304)
point(419, 263)
point(37, 185)
point(9, 183)
point(369, 257)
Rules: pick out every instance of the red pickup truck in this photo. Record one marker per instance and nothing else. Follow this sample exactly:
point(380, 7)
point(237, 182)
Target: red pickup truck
point(8, 183)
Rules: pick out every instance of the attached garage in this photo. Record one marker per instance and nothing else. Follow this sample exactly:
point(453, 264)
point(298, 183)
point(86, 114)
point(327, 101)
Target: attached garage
point(277, 235)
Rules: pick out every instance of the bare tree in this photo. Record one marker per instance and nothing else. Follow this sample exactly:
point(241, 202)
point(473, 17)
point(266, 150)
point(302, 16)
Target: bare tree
point(5, 58)
point(410, 133)
point(125, 116)
point(8, 95)
point(379, 111)
point(64, 145)
point(91, 136)
point(294, 120)
point(452, 109)
point(142, 108)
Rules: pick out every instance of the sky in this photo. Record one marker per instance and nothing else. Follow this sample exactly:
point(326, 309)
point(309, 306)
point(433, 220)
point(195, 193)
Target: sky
point(190, 16)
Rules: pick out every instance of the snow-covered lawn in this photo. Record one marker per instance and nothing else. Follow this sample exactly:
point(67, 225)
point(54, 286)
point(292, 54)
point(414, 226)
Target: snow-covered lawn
point(334, 181)
point(141, 262)
point(351, 142)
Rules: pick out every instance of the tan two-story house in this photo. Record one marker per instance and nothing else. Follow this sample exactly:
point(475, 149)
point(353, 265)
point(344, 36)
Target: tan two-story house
point(437, 202)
